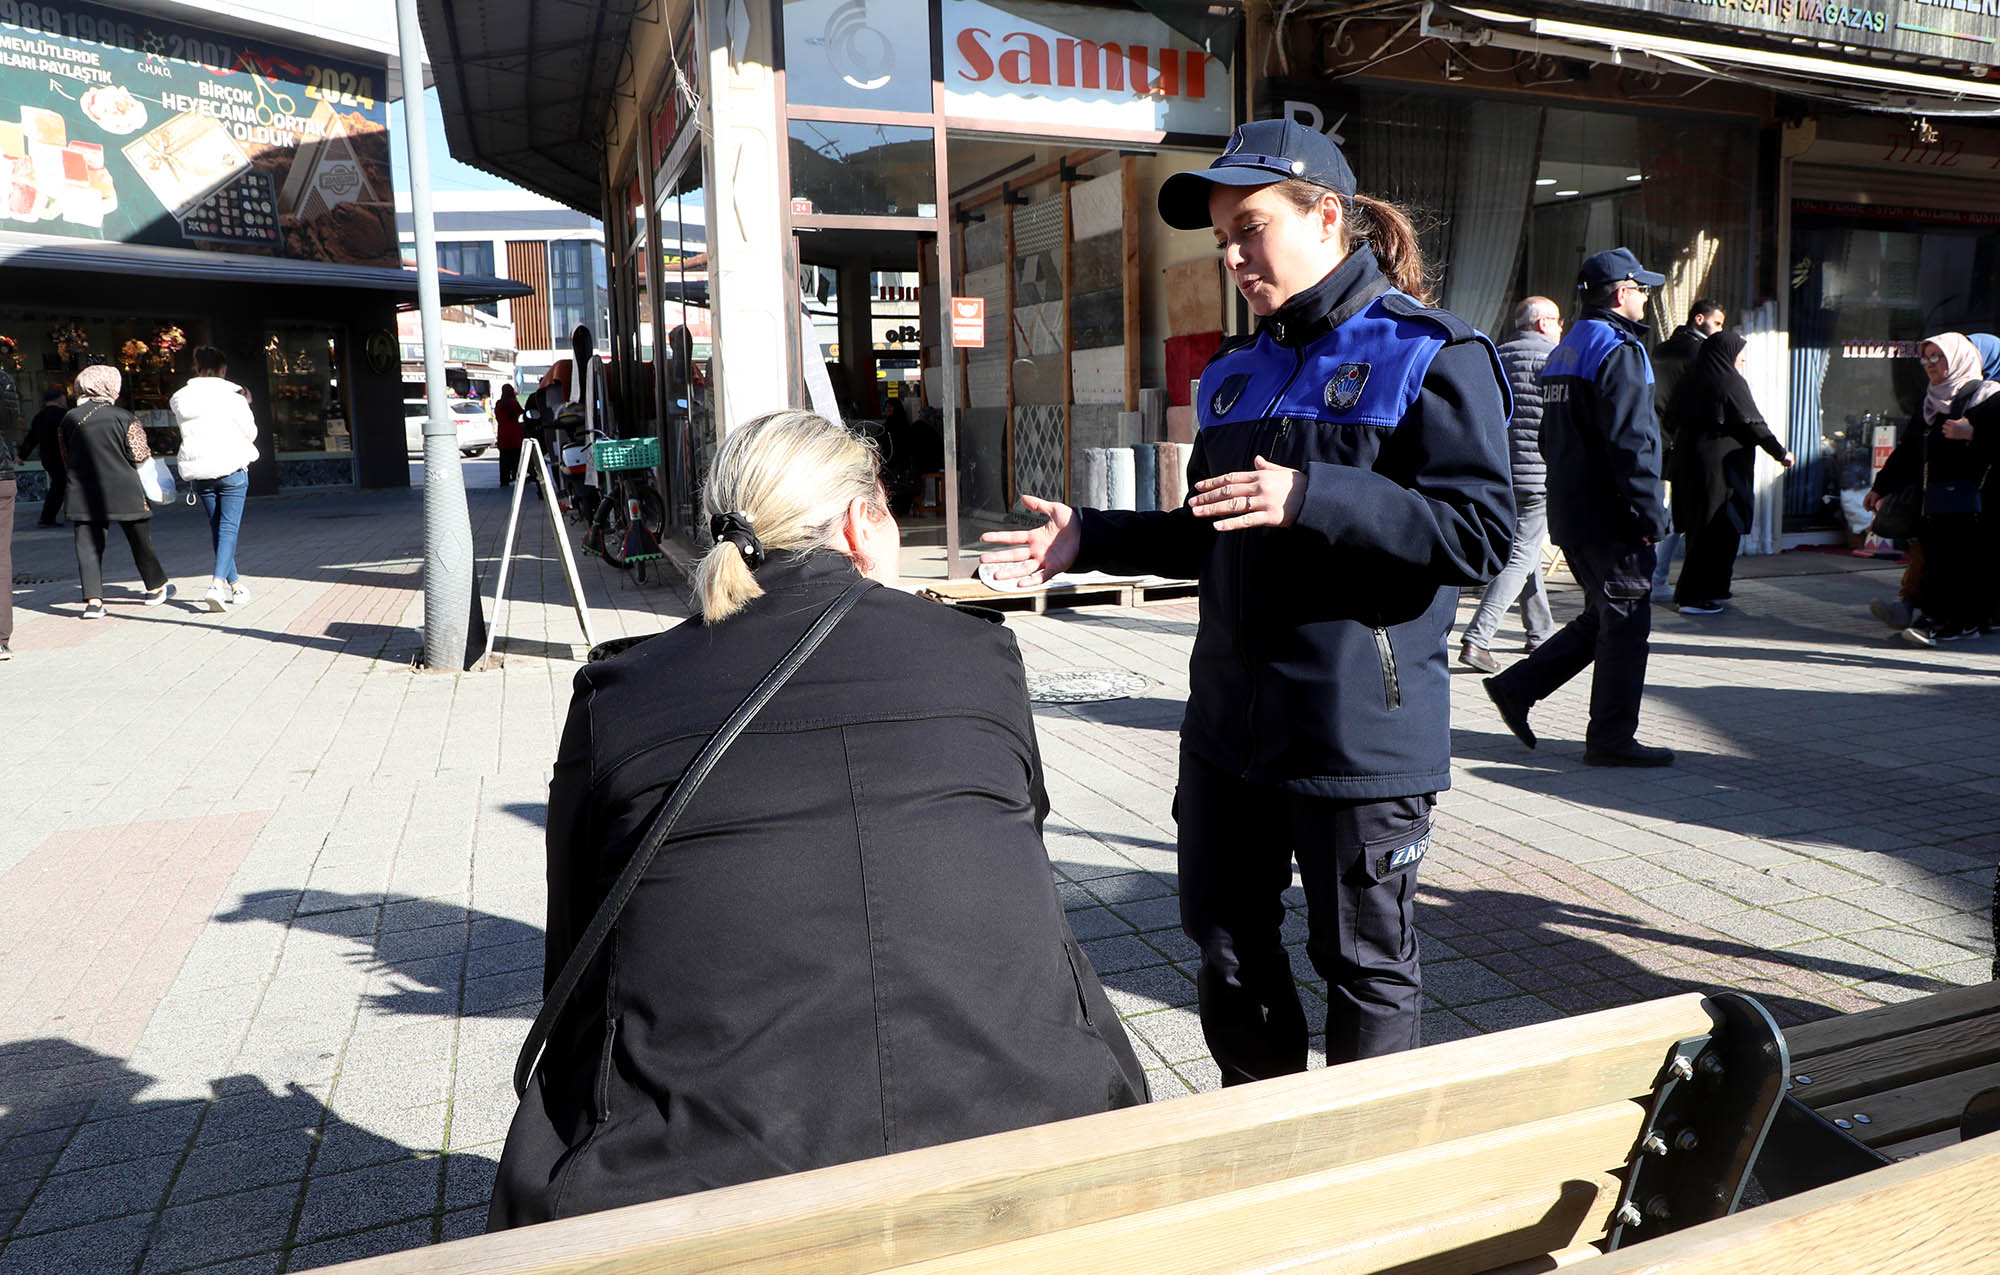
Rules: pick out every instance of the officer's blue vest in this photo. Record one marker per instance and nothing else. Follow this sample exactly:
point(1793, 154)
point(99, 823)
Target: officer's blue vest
point(1586, 345)
point(1367, 371)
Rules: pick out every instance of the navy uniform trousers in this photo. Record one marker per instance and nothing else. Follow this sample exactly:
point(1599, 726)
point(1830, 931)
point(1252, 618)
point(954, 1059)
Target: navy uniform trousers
point(1357, 862)
point(1612, 633)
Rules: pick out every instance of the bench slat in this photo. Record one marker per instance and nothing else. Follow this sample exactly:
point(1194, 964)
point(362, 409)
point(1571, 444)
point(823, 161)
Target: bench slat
point(1845, 1031)
point(1847, 1076)
point(1934, 1213)
point(926, 1204)
point(1461, 1206)
point(1897, 1115)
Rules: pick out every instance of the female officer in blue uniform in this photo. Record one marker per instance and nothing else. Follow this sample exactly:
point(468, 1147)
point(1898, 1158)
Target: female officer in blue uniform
point(1349, 476)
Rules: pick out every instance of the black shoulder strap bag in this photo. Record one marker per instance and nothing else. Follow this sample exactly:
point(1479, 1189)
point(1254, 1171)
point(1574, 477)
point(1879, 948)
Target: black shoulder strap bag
point(663, 825)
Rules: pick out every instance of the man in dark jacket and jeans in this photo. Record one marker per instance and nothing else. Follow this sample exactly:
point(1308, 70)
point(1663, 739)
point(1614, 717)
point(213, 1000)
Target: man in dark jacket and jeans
point(1538, 326)
point(1602, 444)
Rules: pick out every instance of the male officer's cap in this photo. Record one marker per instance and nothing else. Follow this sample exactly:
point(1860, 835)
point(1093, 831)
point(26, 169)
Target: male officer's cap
point(1258, 154)
point(1615, 265)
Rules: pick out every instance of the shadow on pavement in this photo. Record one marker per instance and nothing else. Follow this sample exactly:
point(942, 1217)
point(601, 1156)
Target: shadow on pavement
point(99, 1180)
point(456, 960)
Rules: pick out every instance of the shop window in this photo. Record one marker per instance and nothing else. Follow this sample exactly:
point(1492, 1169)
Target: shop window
point(864, 169)
point(306, 383)
point(473, 257)
point(871, 54)
point(685, 348)
point(579, 292)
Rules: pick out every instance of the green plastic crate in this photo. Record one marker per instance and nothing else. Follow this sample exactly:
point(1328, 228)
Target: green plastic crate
point(626, 453)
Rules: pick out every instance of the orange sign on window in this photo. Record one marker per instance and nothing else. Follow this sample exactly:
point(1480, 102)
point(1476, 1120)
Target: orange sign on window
point(968, 322)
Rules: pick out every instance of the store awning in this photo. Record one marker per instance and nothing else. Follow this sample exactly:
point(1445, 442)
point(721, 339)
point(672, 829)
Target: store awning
point(526, 85)
point(34, 252)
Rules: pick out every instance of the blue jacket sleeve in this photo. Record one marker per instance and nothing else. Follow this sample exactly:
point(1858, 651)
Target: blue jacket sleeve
point(1440, 495)
point(1166, 542)
point(1632, 440)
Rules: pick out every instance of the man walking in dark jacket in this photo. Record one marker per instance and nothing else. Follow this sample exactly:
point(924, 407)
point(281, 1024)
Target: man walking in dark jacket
point(1538, 326)
point(42, 436)
point(1602, 444)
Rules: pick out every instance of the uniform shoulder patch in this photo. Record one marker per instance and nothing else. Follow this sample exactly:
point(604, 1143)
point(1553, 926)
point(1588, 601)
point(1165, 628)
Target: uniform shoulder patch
point(1404, 306)
point(1343, 388)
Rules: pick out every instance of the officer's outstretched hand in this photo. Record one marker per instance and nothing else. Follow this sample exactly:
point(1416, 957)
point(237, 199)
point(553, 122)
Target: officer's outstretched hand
point(1267, 496)
point(1045, 551)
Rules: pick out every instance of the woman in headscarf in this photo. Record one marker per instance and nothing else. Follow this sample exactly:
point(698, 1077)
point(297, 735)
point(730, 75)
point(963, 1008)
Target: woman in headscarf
point(1714, 427)
point(1951, 597)
point(103, 446)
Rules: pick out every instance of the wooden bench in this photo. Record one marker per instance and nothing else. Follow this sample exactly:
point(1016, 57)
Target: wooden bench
point(1885, 1084)
point(1513, 1151)
point(1123, 591)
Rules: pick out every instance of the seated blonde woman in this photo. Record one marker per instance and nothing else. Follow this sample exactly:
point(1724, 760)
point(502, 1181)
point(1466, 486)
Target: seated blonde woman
point(850, 943)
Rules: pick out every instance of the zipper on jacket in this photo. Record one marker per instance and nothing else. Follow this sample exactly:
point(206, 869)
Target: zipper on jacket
point(1392, 690)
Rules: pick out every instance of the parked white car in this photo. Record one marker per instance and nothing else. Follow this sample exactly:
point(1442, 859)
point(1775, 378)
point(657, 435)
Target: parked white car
point(475, 425)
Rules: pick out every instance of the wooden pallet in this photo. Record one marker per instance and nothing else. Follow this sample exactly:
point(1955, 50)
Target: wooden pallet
point(1122, 593)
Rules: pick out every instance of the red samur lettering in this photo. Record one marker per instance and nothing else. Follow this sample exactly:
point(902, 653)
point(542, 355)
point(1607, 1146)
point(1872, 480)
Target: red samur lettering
point(1027, 58)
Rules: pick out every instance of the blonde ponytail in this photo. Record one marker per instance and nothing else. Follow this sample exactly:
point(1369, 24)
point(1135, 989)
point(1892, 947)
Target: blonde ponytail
point(792, 475)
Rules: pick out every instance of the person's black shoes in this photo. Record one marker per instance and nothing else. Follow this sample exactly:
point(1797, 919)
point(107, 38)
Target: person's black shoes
point(1477, 657)
point(1701, 608)
point(1629, 753)
point(1512, 711)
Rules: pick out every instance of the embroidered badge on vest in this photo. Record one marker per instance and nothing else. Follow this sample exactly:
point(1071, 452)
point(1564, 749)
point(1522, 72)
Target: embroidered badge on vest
point(1227, 393)
point(1343, 391)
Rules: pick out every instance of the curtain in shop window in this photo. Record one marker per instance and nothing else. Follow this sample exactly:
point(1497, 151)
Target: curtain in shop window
point(1502, 144)
point(1691, 218)
point(1410, 150)
point(1812, 354)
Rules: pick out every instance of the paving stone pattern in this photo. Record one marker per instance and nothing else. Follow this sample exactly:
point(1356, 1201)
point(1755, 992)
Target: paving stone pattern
point(270, 900)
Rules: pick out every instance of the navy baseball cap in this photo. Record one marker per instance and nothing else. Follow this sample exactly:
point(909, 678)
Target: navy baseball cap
point(1615, 265)
point(1258, 154)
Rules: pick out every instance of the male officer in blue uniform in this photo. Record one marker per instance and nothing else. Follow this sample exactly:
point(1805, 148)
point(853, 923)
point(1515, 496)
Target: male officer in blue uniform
point(1350, 475)
point(1602, 444)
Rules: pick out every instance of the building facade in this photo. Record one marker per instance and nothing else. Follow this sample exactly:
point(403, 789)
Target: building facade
point(180, 174)
point(1820, 170)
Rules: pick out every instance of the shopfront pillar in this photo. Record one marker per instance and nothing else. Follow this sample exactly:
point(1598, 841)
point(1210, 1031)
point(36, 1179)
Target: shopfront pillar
point(754, 302)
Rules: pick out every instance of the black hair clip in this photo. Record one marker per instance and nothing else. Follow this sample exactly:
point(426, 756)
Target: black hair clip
point(739, 529)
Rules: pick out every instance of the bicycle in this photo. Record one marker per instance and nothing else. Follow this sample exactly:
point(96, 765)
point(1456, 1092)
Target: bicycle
point(625, 527)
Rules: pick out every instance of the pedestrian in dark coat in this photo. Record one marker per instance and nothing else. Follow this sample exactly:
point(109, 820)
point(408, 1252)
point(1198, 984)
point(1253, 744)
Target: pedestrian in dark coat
point(1349, 476)
point(43, 437)
point(1602, 444)
point(1716, 427)
point(851, 945)
point(1949, 464)
point(103, 445)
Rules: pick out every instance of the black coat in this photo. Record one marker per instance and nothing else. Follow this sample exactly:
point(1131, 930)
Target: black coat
point(1714, 428)
point(102, 484)
point(1319, 664)
point(852, 944)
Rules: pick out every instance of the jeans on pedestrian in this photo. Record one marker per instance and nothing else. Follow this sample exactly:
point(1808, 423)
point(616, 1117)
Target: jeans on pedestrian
point(1611, 633)
point(1666, 550)
point(222, 500)
point(1520, 580)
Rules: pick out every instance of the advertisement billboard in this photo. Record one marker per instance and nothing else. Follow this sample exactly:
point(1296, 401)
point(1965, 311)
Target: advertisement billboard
point(149, 131)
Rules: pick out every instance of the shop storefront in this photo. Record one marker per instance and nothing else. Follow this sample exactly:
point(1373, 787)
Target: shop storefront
point(168, 186)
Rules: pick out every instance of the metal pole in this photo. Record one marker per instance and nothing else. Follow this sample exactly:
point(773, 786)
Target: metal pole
point(448, 599)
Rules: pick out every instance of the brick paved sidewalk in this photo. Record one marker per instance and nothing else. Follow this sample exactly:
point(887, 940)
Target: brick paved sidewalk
point(270, 902)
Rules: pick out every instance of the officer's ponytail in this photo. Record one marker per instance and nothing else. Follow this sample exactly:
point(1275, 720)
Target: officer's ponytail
point(1383, 226)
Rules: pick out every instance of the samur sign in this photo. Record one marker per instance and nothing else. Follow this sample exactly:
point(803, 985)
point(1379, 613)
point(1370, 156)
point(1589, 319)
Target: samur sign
point(1033, 62)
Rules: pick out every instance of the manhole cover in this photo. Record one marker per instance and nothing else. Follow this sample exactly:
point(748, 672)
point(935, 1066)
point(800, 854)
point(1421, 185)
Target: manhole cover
point(1084, 685)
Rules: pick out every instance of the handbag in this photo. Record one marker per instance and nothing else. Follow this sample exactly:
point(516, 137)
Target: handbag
point(1951, 498)
point(1898, 513)
point(627, 884)
point(158, 481)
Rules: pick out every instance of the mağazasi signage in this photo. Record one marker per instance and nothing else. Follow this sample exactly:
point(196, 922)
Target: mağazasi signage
point(146, 130)
point(1033, 62)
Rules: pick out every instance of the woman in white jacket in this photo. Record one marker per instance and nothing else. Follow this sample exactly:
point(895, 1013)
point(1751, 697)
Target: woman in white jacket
point(218, 442)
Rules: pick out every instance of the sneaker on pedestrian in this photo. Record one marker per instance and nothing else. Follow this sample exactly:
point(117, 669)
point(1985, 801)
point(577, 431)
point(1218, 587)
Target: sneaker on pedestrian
point(1954, 632)
point(1894, 612)
point(1701, 608)
point(1922, 633)
point(1477, 657)
point(159, 595)
point(1512, 711)
point(216, 598)
point(93, 610)
point(238, 596)
point(1629, 753)
point(1663, 593)
point(6, 652)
